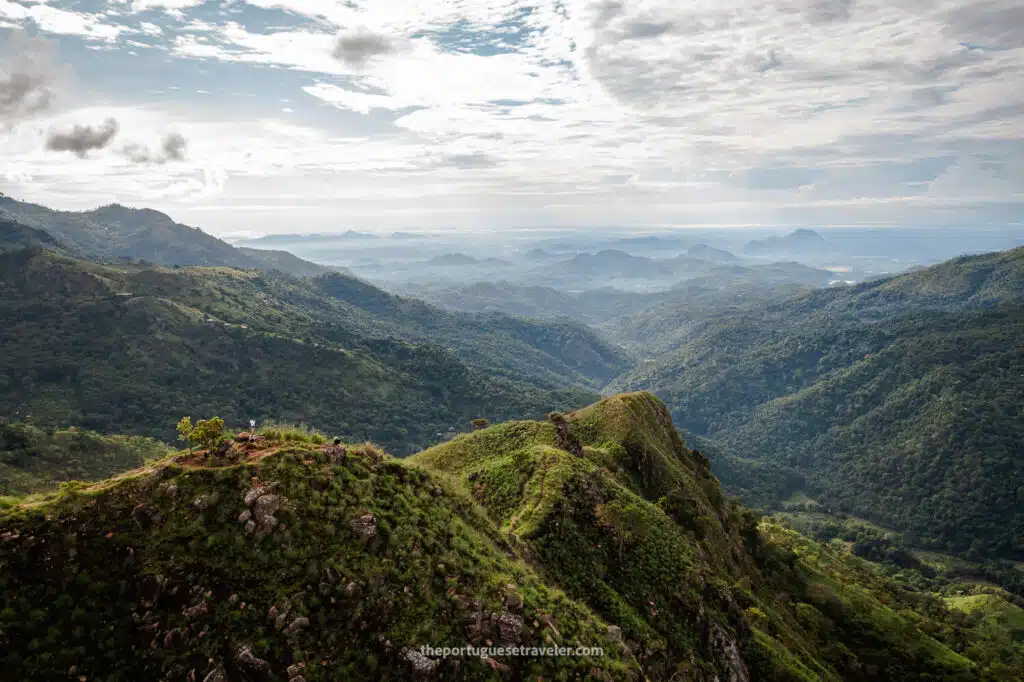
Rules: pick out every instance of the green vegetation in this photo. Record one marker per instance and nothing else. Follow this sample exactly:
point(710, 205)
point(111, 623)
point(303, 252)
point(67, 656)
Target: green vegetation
point(289, 557)
point(116, 232)
point(34, 459)
point(897, 400)
point(122, 348)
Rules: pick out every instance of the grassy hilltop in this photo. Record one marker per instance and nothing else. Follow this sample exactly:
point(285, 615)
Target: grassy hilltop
point(290, 558)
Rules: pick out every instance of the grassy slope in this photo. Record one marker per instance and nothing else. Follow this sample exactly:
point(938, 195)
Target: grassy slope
point(177, 597)
point(638, 529)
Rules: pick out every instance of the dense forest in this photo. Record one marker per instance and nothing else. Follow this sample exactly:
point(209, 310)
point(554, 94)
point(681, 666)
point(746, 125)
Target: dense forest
point(130, 348)
point(897, 399)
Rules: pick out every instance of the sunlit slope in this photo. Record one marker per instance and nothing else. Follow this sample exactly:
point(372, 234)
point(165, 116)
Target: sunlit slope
point(611, 505)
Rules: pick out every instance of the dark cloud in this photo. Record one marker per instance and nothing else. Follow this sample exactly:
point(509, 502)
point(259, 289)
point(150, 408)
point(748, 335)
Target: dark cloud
point(82, 139)
point(172, 148)
point(27, 79)
point(356, 48)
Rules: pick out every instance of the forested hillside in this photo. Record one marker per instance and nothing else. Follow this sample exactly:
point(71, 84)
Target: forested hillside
point(899, 399)
point(288, 558)
point(129, 348)
point(33, 459)
point(144, 234)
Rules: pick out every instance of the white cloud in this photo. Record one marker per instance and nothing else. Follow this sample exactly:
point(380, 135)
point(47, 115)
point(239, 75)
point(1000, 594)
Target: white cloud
point(507, 104)
point(59, 21)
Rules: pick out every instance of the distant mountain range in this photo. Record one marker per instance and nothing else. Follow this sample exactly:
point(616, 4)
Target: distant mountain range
point(801, 242)
point(139, 234)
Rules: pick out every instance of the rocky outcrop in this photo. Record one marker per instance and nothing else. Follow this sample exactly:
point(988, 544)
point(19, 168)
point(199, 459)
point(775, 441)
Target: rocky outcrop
point(421, 665)
point(249, 663)
point(365, 525)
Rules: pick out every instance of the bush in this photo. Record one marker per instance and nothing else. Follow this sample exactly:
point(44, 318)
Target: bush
point(479, 424)
point(207, 433)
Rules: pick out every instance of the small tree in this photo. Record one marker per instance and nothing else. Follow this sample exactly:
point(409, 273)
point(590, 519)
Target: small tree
point(480, 424)
point(208, 433)
point(185, 430)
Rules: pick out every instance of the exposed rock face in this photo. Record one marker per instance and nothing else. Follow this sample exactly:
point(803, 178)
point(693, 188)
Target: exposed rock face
point(564, 440)
point(297, 625)
point(336, 454)
point(263, 511)
point(201, 502)
point(146, 515)
point(253, 494)
point(421, 665)
point(365, 525)
point(513, 601)
point(727, 655)
point(510, 627)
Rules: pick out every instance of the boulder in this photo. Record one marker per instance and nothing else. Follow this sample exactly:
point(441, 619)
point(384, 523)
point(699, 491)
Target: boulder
point(421, 665)
point(297, 624)
point(510, 628)
point(365, 525)
point(249, 662)
point(146, 515)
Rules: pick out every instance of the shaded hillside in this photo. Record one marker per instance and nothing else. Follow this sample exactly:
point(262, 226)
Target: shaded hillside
point(290, 560)
point(631, 317)
point(34, 459)
point(15, 236)
point(144, 234)
point(553, 352)
point(120, 348)
point(898, 399)
point(685, 310)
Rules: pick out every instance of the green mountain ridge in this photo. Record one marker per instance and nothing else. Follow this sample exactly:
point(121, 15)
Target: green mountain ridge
point(896, 399)
point(332, 351)
point(116, 231)
point(282, 558)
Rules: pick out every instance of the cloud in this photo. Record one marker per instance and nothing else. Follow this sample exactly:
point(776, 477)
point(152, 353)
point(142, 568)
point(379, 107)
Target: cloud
point(528, 108)
point(81, 139)
point(172, 148)
point(28, 79)
point(59, 21)
point(356, 48)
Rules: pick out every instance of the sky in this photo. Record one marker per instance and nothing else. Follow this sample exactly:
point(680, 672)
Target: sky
point(273, 116)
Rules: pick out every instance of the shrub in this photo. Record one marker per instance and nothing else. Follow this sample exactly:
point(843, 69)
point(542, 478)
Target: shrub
point(207, 433)
point(185, 429)
point(479, 424)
